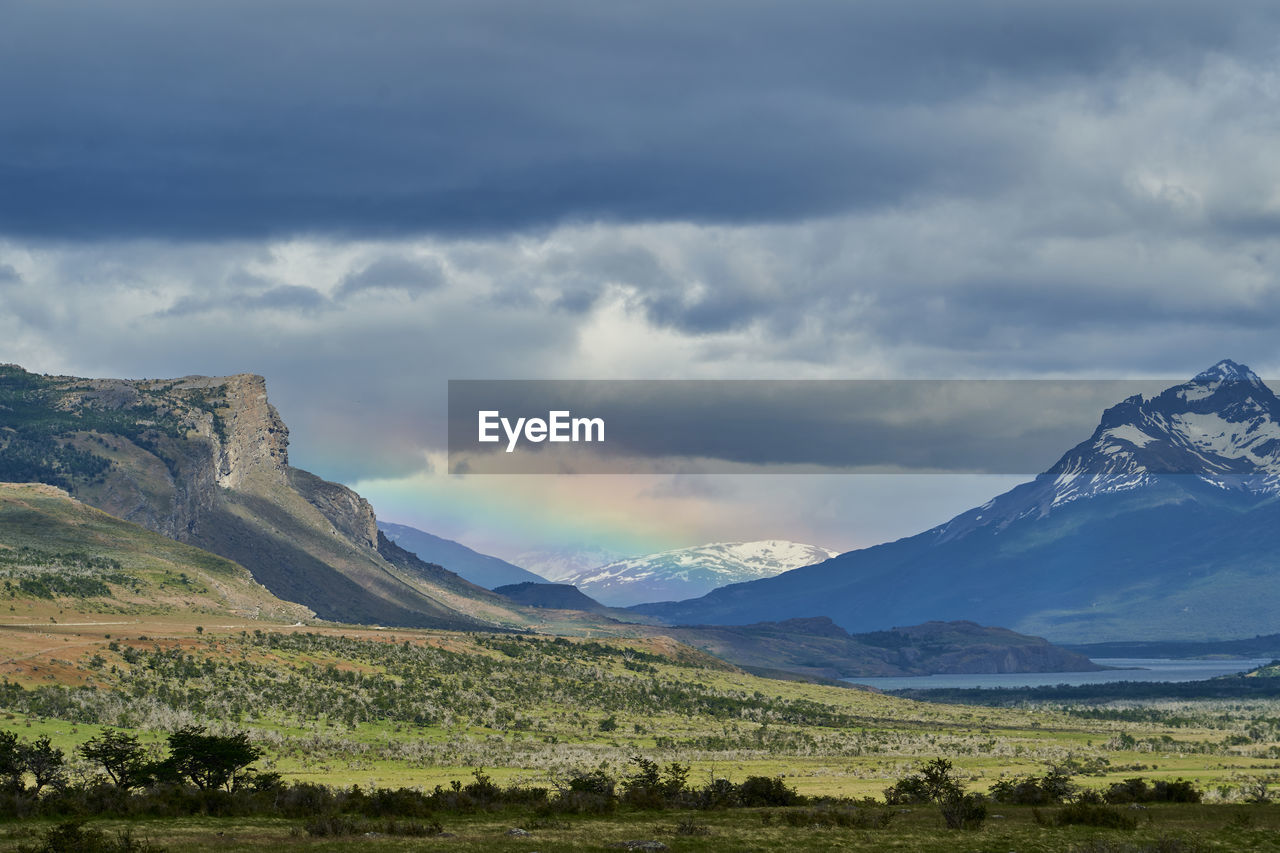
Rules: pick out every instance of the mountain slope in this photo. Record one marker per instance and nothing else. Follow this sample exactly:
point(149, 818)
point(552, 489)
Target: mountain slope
point(481, 569)
point(204, 461)
point(54, 548)
point(1163, 524)
point(687, 572)
point(557, 596)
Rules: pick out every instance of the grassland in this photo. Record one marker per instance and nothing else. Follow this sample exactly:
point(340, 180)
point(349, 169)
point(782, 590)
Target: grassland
point(1183, 829)
point(151, 636)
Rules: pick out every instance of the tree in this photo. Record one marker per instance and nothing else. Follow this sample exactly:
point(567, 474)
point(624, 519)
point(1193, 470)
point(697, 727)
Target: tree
point(210, 761)
point(936, 782)
point(45, 763)
point(12, 766)
point(120, 756)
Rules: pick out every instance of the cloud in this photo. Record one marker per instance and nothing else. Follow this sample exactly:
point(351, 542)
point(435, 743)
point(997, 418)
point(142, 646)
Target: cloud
point(407, 275)
point(262, 119)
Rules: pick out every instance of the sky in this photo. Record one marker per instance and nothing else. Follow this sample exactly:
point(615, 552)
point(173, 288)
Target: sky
point(364, 201)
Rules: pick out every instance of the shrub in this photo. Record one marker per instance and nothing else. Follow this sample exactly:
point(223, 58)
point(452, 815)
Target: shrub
point(1089, 814)
point(767, 791)
point(1137, 790)
point(1050, 789)
point(936, 782)
point(74, 838)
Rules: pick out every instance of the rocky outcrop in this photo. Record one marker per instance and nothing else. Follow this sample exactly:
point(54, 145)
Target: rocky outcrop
point(204, 460)
point(350, 514)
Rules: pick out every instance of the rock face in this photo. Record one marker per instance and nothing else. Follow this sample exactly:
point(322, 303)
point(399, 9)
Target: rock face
point(204, 460)
point(256, 439)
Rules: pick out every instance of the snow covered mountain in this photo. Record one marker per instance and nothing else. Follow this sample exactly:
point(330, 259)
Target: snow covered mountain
point(689, 572)
point(1163, 524)
point(1222, 428)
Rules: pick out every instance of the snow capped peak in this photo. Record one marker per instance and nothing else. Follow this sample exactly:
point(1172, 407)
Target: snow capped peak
point(1226, 371)
point(1222, 429)
point(691, 572)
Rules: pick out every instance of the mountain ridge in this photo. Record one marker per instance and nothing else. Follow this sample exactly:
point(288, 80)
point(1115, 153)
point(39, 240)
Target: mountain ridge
point(1174, 537)
point(691, 571)
point(481, 569)
point(204, 460)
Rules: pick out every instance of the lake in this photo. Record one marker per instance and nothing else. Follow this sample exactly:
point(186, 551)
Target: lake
point(1135, 669)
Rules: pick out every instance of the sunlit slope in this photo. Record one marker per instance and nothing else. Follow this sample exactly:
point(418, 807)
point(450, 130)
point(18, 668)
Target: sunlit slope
point(57, 551)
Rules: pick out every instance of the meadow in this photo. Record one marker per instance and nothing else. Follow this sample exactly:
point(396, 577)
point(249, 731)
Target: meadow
point(342, 706)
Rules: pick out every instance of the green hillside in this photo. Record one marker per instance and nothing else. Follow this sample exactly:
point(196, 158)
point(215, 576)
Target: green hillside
point(58, 553)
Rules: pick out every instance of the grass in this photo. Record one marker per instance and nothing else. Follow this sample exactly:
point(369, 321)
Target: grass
point(1180, 829)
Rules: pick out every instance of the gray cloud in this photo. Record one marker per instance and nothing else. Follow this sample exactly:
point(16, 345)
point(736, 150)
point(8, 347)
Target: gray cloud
point(411, 276)
point(392, 117)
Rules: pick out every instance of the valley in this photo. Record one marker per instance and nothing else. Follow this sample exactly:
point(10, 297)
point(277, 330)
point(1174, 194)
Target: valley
point(216, 600)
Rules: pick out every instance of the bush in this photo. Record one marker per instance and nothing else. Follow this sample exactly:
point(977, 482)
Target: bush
point(1052, 788)
point(74, 838)
point(767, 791)
point(1137, 790)
point(967, 811)
point(936, 782)
point(1089, 814)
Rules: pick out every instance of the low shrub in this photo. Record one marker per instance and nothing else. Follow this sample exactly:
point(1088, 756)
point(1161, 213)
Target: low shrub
point(1090, 814)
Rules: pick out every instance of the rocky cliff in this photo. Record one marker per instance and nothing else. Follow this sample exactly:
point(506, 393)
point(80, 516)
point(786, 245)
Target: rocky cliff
point(204, 460)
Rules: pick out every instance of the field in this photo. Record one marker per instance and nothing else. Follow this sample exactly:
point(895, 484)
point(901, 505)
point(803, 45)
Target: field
point(1185, 829)
point(152, 637)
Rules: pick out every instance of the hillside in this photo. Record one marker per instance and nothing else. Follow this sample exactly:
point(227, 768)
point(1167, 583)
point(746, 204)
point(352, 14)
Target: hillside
point(557, 596)
point(480, 569)
point(58, 553)
point(1164, 524)
point(205, 461)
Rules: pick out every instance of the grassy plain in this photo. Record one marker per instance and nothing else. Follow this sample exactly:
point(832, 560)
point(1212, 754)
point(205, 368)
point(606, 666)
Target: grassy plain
point(1161, 829)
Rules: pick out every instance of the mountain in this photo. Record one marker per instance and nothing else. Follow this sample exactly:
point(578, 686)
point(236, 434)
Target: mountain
point(56, 553)
point(817, 647)
point(205, 461)
point(1163, 524)
point(480, 569)
point(688, 572)
point(557, 596)
point(559, 563)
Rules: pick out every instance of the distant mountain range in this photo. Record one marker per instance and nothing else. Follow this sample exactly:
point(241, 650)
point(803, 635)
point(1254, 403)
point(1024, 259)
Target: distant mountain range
point(481, 569)
point(688, 572)
point(1164, 524)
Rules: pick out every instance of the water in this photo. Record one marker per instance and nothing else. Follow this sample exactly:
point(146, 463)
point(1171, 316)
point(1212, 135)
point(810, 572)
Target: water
point(1136, 669)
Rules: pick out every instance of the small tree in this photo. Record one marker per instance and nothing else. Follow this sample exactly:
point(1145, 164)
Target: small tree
point(936, 782)
point(45, 762)
point(12, 767)
point(209, 761)
point(121, 758)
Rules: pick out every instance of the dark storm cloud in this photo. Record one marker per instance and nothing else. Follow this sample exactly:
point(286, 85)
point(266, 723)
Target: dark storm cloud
point(263, 118)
